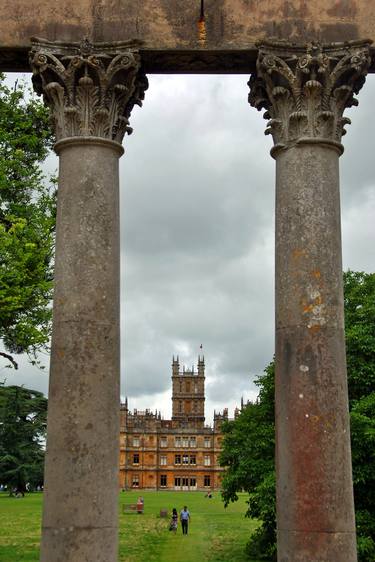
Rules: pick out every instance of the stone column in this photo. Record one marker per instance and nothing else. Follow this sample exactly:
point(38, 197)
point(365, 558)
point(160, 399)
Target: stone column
point(90, 91)
point(305, 92)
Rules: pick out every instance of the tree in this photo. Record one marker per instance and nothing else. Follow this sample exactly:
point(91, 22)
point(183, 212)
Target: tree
point(249, 458)
point(27, 220)
point(359, 302)
point(23, 417)
point(359, 299)
point(248, 445)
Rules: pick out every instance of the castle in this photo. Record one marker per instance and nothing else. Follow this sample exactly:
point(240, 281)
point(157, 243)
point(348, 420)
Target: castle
point(177, 454)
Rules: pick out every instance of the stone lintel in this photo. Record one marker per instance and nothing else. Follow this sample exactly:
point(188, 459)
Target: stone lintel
point(181, 36)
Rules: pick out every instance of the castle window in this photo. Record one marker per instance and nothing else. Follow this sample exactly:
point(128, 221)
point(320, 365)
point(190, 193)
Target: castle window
point(185, 482)
point(177, 482)
point(207, 442)
point(136, 458)
point(185, 459)
point(192, 459)
point(193, 483)
point(163, 460)
point(187, 386)
point(163, 441)
point(135, 441)
point(180, 386)
point(185, 442)
point(207, 481)
point(177, 459)
point(135, 482)
point(177, 441)
point(207, 460)
point(163, 480)
point(180, 406)
point(193, 442)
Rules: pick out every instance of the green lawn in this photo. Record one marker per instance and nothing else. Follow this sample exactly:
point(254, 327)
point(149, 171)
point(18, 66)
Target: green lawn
point(215, 534)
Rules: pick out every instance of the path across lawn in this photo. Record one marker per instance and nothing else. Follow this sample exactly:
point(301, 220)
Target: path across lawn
point(215, 534)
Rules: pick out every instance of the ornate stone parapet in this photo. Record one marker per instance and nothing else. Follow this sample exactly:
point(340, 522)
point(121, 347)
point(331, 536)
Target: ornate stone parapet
point(306, 89)
point(90, 89)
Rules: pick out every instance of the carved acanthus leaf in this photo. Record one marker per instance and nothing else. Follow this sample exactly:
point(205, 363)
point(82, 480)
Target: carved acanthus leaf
point(305, 90)
point(91, 89)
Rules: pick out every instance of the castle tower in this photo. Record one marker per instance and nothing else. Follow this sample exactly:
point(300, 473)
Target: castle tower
point(188, 393)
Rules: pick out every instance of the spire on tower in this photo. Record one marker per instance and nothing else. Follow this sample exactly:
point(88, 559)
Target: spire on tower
point(201, 365)
point(175, 365)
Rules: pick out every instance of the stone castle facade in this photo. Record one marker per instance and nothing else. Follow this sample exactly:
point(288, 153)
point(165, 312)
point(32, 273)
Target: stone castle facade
point(177, 454)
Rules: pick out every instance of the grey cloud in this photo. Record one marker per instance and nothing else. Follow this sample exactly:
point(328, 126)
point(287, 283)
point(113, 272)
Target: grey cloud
point(197, 211)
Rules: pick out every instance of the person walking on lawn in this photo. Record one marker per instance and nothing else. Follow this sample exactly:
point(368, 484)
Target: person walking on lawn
point(174, 521)
point(185, 518)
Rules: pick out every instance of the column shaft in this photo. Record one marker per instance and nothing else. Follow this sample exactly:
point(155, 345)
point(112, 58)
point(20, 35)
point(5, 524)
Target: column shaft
point(315, 511)
point(81, 471)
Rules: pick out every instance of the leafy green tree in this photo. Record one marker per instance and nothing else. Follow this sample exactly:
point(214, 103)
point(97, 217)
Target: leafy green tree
point(23, 417)
point(359, 302)
point(27, 220)
point(249, 457)
point(362, 424)
point(248, 445)
point(359, 299)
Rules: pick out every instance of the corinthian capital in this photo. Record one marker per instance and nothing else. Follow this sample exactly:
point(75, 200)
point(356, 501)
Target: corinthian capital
point(90, 89)
point(305, 90)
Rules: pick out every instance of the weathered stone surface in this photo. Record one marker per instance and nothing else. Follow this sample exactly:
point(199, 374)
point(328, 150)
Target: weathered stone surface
point(305, 95)
point(81, 474)
point(305, 90)
point(302, 546)
point(83, 545)
point(175, 35)
point(91, 91)
point(315, 512)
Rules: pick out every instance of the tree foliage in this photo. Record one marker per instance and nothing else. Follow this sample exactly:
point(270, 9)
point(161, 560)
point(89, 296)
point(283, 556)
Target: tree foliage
point(23, 416)
point(248, 445)
point(359, 302)
point(249, 457)
point(27, 219)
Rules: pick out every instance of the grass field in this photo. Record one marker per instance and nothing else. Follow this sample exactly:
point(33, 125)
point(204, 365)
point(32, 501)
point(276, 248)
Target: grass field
point(215, 534)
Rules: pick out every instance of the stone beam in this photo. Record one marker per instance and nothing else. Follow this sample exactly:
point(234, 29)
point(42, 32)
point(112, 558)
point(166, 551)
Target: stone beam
point(196, 36)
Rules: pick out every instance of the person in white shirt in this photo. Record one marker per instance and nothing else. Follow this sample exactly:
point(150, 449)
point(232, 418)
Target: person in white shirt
point(185, 518)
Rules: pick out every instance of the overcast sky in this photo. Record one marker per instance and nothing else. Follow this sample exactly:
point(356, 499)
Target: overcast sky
point(197, 234)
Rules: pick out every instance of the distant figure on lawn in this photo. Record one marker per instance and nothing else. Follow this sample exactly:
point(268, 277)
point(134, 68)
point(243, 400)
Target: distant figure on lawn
point(174, 521)
point(184, 518)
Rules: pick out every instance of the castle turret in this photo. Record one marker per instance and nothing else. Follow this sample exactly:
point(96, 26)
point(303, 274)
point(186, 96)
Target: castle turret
point(175, 365)
point(188, 393)
point(201, 365)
